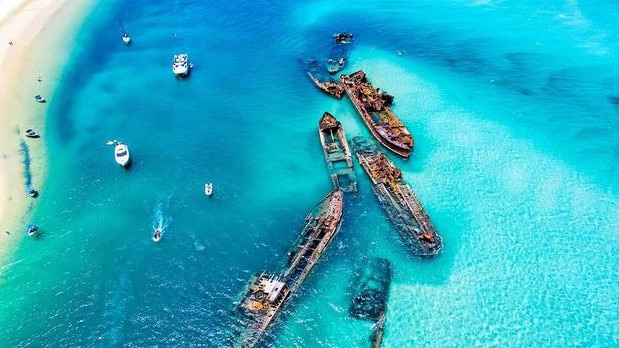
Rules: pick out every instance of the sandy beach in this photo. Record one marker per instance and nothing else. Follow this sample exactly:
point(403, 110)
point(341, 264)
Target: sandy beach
point(36, 38)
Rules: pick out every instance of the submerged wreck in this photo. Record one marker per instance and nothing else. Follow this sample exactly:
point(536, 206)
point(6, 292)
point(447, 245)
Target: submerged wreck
point(267, 293)
point(398, 200)
point(336, 152)
point(374, 107)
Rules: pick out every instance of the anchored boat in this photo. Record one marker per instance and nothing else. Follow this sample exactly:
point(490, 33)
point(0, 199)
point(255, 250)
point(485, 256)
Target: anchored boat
point(121, 152)
point(337, 154)
point(126, 39)
point(398, 200)
point(375, 110)
point(340, 51)
point(181, 65)
point(268, 294)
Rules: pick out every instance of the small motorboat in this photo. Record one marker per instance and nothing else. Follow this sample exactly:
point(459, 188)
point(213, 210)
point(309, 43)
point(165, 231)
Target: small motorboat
point(126, 39)
point(121, 154)
point(31, 133)
point(32, 229)
point(39, 98)
point(31, 191)
point(208, 189)
point(157, 235)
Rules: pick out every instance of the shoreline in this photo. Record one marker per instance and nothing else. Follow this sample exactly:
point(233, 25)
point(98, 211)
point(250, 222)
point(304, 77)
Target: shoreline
point(31, 32)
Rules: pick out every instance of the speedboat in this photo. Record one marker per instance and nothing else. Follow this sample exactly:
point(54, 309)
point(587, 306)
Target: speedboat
point(157, 235)
point(126, 39)
point(39, 98)
point(208, 189)
point(181, 65)
point(121, 154)
point(31, 133)
point(32, 229)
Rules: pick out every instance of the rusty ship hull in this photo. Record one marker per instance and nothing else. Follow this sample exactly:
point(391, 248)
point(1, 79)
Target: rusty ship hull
point(267, 294)
point(374, 108)
point(332, 88)
point(398, 200)
point(337, 153)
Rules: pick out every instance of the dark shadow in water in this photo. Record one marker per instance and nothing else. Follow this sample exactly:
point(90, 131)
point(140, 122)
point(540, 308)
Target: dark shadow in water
point(26, 161)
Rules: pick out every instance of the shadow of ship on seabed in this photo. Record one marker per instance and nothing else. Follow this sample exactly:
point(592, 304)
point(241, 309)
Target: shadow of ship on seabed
point(27, 174)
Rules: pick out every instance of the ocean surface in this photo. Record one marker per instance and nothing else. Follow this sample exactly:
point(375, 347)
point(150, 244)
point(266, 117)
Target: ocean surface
point(514, 106)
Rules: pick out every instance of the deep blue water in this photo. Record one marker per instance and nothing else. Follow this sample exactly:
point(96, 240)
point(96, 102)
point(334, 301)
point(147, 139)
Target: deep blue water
point(513, 106)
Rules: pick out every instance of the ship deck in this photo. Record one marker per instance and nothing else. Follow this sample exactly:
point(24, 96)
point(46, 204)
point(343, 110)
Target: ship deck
point(398, 200)
point(373, 107)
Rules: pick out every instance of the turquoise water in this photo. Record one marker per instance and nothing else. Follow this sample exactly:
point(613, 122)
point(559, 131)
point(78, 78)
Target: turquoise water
point(513, 108)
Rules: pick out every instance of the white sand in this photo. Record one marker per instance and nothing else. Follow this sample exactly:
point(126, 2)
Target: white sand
point(42, 33)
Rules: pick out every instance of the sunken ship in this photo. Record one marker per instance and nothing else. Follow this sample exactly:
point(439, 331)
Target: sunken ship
point(397, 199)
point(340, 51)
point(374, 107)
point(337, 153)
point(268, 293)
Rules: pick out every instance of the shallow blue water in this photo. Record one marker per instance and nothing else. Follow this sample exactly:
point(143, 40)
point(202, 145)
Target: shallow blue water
point(513, 106)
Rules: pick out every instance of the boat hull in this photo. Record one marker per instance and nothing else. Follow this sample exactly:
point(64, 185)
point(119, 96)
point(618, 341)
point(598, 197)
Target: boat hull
point(337, 153)
point(121, 155)
point(267, 295)
point(373, 107)
point(340, 51)
point(397, 199)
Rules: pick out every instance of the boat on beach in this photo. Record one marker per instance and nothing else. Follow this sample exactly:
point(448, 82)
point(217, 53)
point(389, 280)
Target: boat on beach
point(39, 98)
point(157, 235)
point(121, 153)
point(340, 52)
point(374, 107)
point(181, 65)
point(337, 153)
point(267, 293)
point(31, 133)
point(398, 201)
point(208, 189)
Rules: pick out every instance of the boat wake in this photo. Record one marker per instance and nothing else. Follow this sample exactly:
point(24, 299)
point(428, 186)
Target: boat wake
point(161, 221)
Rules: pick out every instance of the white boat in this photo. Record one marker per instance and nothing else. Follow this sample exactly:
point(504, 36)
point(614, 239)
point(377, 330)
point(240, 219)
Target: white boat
point(31, 133)
point(32, 229)
point(39, 98)
point(126, 39)
point(208, 189)
point(121, 154)
point(181, 65)
point(157, 235)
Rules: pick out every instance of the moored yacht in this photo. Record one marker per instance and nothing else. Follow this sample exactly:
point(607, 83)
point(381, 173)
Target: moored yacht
point(181, 65)
point(121, 154)
point(126, 39)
